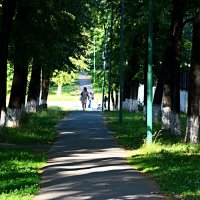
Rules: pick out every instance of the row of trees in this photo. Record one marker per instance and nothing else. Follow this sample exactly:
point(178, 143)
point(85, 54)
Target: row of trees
point(176, 40)
point(41, 37)
point(45, 35)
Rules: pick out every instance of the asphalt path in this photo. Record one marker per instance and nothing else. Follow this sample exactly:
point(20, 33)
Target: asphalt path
point(86, 163)
point(84, 81)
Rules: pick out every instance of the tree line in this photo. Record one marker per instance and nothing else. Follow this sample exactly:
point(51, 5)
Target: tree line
point(42, 36)
point(176, 40)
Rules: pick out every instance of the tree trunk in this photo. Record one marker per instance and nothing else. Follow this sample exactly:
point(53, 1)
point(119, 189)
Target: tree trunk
point(8, 11)
point(112, 98)
point(21, 60)
point(34, 88)
point(171, 69)
point(157, 100)
point(45, 89)
point(59, 90)
point(192, 131)
point(19, 84)
point(175, 74)
point(116, 99)
point(134, 96)
point(145, 88)
point(132, 83)
point(126, 95)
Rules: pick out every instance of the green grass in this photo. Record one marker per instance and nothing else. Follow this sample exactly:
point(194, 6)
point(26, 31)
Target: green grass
point(174, 165)
point(130, 134)
point(35, 128)
point(20, 168)
point(66, 89)
point(70, 96)
point(19, 173)
point(70, 93)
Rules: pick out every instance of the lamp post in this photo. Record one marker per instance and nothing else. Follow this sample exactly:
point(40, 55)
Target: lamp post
point(121, 62)
point(110, 63)
point(94, 55)
point(149, 76)
point(104, 63)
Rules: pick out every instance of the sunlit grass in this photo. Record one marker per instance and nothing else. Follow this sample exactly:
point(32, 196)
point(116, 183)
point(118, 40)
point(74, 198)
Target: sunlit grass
point(20, 168)
point(70, 97)
point(174, 165)
point(131, 133)
point(19, 173)
point(34, 128)
point(70, 93)
point(176, 171)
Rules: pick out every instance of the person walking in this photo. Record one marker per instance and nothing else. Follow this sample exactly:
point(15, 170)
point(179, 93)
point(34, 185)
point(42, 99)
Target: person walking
point(84, 96)
point(105, 100)
point(90, 98)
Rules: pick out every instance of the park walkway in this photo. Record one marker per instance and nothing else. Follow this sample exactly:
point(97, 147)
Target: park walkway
point(85, 163)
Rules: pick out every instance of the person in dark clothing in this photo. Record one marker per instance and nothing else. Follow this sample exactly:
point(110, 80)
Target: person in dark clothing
point(105, 100)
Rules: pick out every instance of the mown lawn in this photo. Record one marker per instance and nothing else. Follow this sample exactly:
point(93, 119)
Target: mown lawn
point(19, 166)
point(70, 93)
point(19, 173)
point(174, 165)
point(34, 128)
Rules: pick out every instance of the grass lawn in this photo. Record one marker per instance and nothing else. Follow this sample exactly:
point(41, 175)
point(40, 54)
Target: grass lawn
point(20, 168)
point(70, 93)
point(174, 165)
point(19, 173)
point(34, 128)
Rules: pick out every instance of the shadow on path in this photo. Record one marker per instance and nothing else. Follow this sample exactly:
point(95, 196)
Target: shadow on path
point(86, 163)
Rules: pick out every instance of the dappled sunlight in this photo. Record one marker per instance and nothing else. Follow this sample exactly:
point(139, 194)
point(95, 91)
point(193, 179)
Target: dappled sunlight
point(175, 169)
point(87, 163)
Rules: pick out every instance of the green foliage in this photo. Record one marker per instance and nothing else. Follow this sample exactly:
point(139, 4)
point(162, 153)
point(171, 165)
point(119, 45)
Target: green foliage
point(63, 77)
point(80, 63)
point(10, 71)
point(52, 31)
point(68, 90)
point(173, 164)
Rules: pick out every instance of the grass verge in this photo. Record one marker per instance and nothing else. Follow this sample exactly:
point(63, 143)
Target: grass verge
point(70, 93)
point(19, 173)
point(173, 164)
point(35, 128)
point(20, 168)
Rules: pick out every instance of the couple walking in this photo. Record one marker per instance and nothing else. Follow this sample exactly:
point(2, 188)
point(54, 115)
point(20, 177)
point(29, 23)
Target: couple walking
point(85, 95)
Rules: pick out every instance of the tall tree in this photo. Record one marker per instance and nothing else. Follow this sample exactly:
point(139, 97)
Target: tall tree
point(34, 87)
point(8, 11)
point(171, 70)
point(45, 88)
point(21, 62)
point(192, 130)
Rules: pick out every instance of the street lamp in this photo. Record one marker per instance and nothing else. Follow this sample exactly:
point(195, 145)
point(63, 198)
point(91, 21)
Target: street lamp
point(104, 56)
point(94, 58)
point(121, 62)
point(110, 63)
point(149, 76)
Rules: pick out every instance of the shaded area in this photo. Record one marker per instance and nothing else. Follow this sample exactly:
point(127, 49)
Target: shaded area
point(86, 163)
